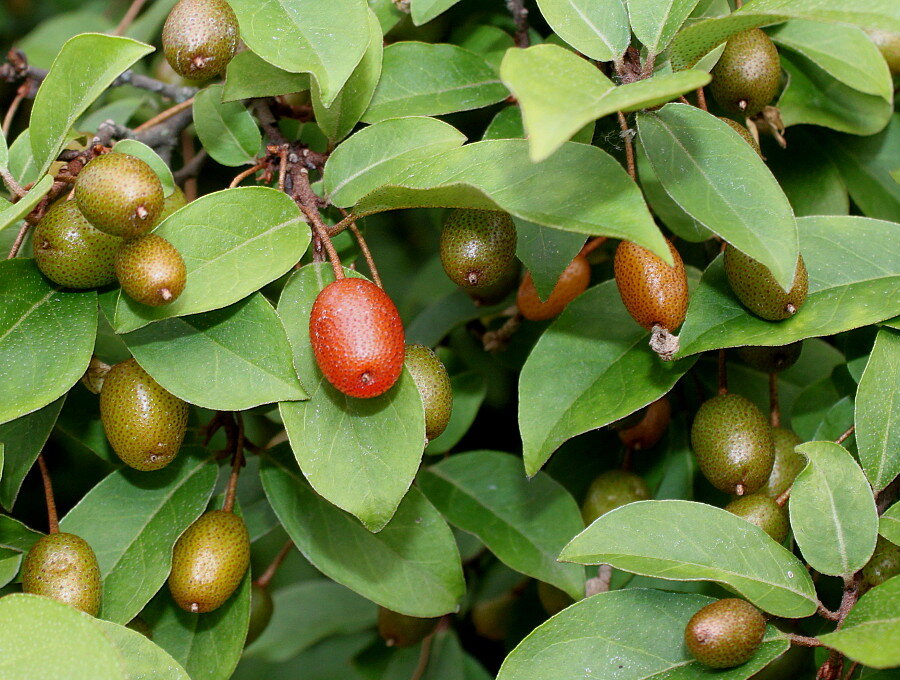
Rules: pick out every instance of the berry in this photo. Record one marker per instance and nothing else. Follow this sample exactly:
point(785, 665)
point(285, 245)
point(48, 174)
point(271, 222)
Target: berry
point(763, 512)
point(572, 282)
point(756, 288)
point(611, 490)
point(200, 37)
point(743, 132)
point(748, 73)
point(654, 293)
point(400, 630)
point(771, 359)
point(496, 292)
point(787, 465)
point(150, 270)
point(434, 387)
point(261, 608)
point(884, 563)
point(63, 567)
point(647, 432)
point(553, 600)
point(478, 247)
point(725, 634)
point(889, 45)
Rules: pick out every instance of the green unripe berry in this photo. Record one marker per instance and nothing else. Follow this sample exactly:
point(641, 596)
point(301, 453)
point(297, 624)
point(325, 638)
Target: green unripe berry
point(496, 292)
point(787, 465)
point(261, 608)
point(733, 444)
point(771, 359)
point(400, 630)
point(119, 194)
point(208, 561)
point(71, 252)
point(756, 288)
point(173, 202)
point(63, 567)
point(884, 563)
point(610, 490)
point(762, 511)
point(150, 270)
point(725, 634)
point(200, 37)
point(744, 133)
point(747, 75)
point(434, 387)
point(492, 618)
point(478, 247)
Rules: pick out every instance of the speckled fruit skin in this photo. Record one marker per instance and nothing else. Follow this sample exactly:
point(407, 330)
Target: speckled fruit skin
point(787, 465)
point(400, 630)
point(733, 444)
point(771, 359)
point(649, 429)
point(261, 608)
point(762, 511)
point(357, 337)
point(571, 283)
point(748, 72)
point(653, 292)
point(150, 270)
point(496, 292)
point(743, 132)
point(119, 194)
point(431, 378)
point(477, 247)
point(63, 567)
point(755, 287)
point(725, 634)
point(144, 424)
point(208, 561)
point(200, 37)
point(611, 490)
point(71, 252)
point(884, 563)
point(889, 45)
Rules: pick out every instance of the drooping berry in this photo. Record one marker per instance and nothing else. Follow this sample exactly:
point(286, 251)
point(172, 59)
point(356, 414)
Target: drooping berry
point(654, 293)
point(726, 633)
point(572, 283)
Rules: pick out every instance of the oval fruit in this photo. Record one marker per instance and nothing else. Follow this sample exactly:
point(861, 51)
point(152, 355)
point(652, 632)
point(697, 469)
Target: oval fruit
point(771, 359)
point(762, 511)
point(144, 423)
point(553, 600)
point(571, 283)
point(611, 490)
point(119, 194)
point(647, 432)
point(725, 634)
point(747, 75)
point(433, 383)
point(756, 288)
point(71, 252)
point(261, 608)
point(733, 444)
point(495, 292)
point(787, 465)
point(208, 561)
point(654, 293)
point(357, 337)
point(884, 563)
point(63, 567)
point(744, 133)
point(150, 270)
point(478, 247)
point(400, 630)
point(200, 37)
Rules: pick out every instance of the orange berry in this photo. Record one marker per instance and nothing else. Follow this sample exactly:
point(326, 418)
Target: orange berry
point(651, 427)
point(357, 337)
point(654, 293)
point(572, 283)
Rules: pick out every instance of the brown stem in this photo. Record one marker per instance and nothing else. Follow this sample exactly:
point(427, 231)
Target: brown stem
point(165, 115)
point(844, 437)
point(826, 613)
point(701, 99)
point(424, 657)
point(592, 245)
point(282, 169)
point(52, 519)
point(851, 670)
point(245, 174)
point(267, 576)
point(237, 460)
point(11, 182)
point(367, 254)
point(129, 17)
point(193, 162)
point(349, 218)
point(17, 244)
point(629, 148)
point(723, 373)
point(307, 200)
point(498, 339)
point(804, 640)
point(14, 106)
point(784, 496)
point(520, 17)
point(774, 410)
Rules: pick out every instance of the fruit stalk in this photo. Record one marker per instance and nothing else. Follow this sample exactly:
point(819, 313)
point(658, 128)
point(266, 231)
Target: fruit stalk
point(237, 461)
point(629, 147)
point(844, 437)
point(367, 254)
point(52, 519)
point(306, 198)
point(722, 373)
point(165, 115)
point(130, 16)
point(240, 177)
point(267, 576)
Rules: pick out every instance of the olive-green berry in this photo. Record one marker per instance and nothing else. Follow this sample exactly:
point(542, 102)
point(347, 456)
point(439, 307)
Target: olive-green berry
point(787, 465)
point(150, 270)
point(400, 630)
point(200, 37)
point(495, 293)
point(744, 133)
point(63, 567)
point(747, 75)
point(261, 609)
point(756, 288)
point(762, 511)
point(478, 247)
point(733, 443)
point(144, 423)
point(725, 634)
point(208, 561)
point(433, 383)
point(71, 252)
point(771, 359)
point(610, 490)
point(884, 563)
point(119, 194)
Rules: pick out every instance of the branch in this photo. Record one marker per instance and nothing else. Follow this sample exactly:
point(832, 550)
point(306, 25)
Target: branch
point(520, 17)
point(192, 167)
point(627, 134)
point(129, 17)
point(237, 461)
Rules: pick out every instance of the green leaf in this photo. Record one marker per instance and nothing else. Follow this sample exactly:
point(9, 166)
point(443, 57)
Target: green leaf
point(226, 129)
point(871, 632)
point(545, 253)
point(596, 28)
point(15, 213)
point(43, 638)
point(525, 523)
point(119, 111)
point(686, 541)
point(388, 13)
point(700, 161)
point(338, 120)
point(140, 658)
point(307, 612)
point(604, 350)
point(140, 150)
point(491, 42)
point(656, 22)
point(424, 11)
point(246, 358)
point(607, 636)
point(15, 535)
point(23, 439)
point(10, 561)
point(345, 445)
point(249, 76)
point(507, 124)
point(21, 160)
point(4, 152)
point(46, 338)
point(423, 79)
point(332, 658)
point(233, 242)
point(79, 428)
point(411, 566)
point(560, 92)
point(82, 70)
point(878, 411)
point(129, 517)
point(469, 390)
point(306, 36)
point(46, 40)
point(889, 524)
point(833, 512)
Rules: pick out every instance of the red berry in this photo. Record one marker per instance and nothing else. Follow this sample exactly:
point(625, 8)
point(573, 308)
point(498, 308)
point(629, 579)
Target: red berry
point(357, 337)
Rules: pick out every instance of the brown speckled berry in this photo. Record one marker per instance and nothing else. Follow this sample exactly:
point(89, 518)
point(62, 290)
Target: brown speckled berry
point(787, 465)
point(726, 633)
point(200, 37)
point(433, 383)
point(208, 561)
point(572, 282)
point(63, 567)
point(744, 133)
point(478, 247)
point(357, 337)
point(649, 429)
point(654, 293)
point(762, 511)
point(756, 288)
point(71, 252)
point(733, 444)
point(610, 490)
point(150, 270)
point(771, 359)
point(747, 75)
point(119, 194)
point(144, 423)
